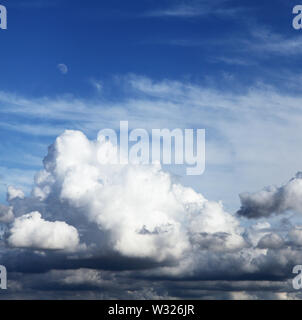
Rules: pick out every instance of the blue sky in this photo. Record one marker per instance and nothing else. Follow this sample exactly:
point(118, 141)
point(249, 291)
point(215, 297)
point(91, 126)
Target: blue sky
point(231, 67)
point(119, 53)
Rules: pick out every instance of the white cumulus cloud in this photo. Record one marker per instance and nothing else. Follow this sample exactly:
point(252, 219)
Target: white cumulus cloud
point(142, 211)
point(32, 231)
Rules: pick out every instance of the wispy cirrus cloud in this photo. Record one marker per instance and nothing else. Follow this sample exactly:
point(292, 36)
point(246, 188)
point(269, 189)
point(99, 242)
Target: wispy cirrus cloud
point(176, 104)
point(35, 4)
point(266, 41)
point(191, 9)
point(181, 11)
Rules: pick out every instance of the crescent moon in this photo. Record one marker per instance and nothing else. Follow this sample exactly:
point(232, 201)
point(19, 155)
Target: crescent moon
point(62, 68)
